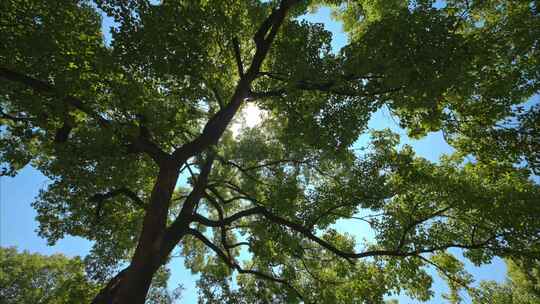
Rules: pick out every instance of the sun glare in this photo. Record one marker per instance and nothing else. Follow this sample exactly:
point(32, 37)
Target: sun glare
point(249, 117)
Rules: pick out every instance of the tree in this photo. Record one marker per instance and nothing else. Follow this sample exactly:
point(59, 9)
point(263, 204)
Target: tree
point(522, 286)
point(34, 278)
point(114, 125)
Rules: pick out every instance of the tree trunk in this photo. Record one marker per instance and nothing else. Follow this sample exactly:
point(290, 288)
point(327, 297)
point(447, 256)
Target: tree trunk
point(156, 241)
point(131, 285)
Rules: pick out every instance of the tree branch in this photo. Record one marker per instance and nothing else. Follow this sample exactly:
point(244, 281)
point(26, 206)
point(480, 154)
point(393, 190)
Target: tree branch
point(46, 88)
point(222, 228)
point(238, 56)
point(214, 128)
point(229, 246)
point(228, 220)
point(7, 116)
point(330, 86)
point(417, 222)
point(143, 143)
point(307, 232)
point(446, 274)
point(179, 226)
point(139, 144)
point(240, 168)
point(99, 199)
point(217, 96)
point(121, 191)
point(232, 264)
point(322, 87)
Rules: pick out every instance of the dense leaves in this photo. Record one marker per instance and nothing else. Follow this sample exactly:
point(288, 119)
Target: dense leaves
point(134, 133)
point(522, 285)
point(34, 278)
point(56, 279)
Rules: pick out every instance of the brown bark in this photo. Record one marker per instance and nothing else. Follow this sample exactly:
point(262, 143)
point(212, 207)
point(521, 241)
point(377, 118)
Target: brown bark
point(156, 240)
point(132, 284)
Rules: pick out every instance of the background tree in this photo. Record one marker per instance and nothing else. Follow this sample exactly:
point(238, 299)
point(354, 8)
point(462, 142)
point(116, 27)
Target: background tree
point(114, 125)
point(34, 278)
point(522, 286)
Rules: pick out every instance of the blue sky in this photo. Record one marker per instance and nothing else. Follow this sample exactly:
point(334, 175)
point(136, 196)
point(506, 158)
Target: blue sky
point(18, 226)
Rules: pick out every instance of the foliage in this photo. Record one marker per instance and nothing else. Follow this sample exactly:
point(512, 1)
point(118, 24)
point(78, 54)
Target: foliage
point(114, 125)
point(521, 287)
point(34, 278)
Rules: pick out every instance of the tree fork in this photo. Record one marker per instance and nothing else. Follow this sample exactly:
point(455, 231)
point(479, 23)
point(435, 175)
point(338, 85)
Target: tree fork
point(156, 241)
point(132, 284)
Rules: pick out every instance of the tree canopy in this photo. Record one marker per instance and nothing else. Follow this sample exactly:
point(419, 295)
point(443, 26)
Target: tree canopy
point(56, 279)
point(33, 278)
point(114, 124)
point(521, 287)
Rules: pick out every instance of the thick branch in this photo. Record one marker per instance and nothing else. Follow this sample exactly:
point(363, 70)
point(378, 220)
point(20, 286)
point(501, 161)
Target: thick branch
point(100, 198)
point(276, 220)
point(179, 226)
point(139, 144)
point(268, 94)
point(330, 86)
point(228, 220)
point(143, 143)
point(121, 191)
point(214, 128)
point(46, 88)
point(266, 33)
point(229, 246)
point(238, 57)
point(62, 134)
point(306, 232)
